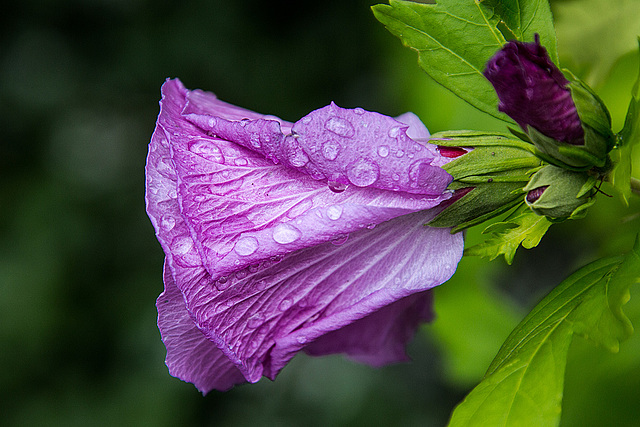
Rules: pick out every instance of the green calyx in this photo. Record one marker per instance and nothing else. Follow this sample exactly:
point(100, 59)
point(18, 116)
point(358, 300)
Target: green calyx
point(490, 176)
point(559, 193)
point(599, 139)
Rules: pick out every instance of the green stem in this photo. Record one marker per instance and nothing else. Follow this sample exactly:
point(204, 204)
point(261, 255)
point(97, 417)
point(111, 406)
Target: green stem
point(635, 186)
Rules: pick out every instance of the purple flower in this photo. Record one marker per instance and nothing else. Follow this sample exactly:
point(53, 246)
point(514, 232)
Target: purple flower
point(534, 92)
point(284, 237)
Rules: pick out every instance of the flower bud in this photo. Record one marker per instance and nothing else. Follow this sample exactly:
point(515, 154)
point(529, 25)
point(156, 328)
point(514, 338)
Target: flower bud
point(565, 120)
point(489, 171)
point(559, 193)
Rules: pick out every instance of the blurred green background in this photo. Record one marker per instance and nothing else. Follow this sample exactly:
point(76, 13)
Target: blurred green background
point(80, 267)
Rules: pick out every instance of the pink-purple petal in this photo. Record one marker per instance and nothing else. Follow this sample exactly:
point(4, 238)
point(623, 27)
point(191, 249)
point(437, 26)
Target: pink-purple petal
point(263, 261)
point(190, 355)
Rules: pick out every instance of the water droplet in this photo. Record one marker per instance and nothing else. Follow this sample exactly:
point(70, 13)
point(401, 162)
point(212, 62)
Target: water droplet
point(330, 150)
point(363, 172)
point(166, 168)
point(168, 222)
point(207, 149)
point(222, 283)
point(371, 226)
point(255, 321)
point(340, 239)
point(247, 245)
point(240, 161)
point(241, 274)
point(399, 153)
point(295, 154)
point(334, 212)
point(359, 111)
point(394, 132)
point(301, 340)
point(285, 233)
point(395, 177)
point(397, 280)
point(383, 151)
point(337, 187)
point(340, 127)
point(253, 268)
point(255, 140)
point(244, 122)
point(261, 285)
point(285, 304)
point(306, 120)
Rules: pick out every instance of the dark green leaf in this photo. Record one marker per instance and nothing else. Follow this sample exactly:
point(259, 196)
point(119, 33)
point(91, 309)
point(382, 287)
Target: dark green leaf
point(525, 18)
point(455, 39)
point(523, 385)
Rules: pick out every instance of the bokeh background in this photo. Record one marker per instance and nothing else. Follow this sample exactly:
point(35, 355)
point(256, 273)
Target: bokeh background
point(80, 267)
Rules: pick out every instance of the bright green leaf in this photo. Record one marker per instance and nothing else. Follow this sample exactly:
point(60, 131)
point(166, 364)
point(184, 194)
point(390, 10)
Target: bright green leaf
point(522, 227)
point(594, 34)
point(629, 138)
point(455, 39)
point(524, 384)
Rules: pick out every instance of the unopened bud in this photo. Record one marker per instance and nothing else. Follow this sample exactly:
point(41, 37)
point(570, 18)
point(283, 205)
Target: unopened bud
point(559, 193)
point(564, 118)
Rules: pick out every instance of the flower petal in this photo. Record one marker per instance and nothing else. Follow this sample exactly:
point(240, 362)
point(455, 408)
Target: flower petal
point(242, 208)
point(358, 147)
point(270, 306)
point(190, 355)
point(380, 338)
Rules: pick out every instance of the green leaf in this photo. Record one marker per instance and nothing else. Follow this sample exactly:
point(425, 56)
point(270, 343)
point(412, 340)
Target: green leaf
point(522, 227)
point(596, 33)
point(524, 384)
point(628, 138)
point(455, 39)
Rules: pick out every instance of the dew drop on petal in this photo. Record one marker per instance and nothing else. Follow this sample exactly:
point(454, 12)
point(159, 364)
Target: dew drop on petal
point(394, 132)
point(206, 149)
point(337, 187)
point(301, 340)
point(340, 239)
point(306, 120)
point(383, 151)
point(255, 321)
point(255, 140)
point(285, 304)
point(363, 172)
point(334, 212)
point(330, 150)
point(168, 222)
point(222, 283)
point(285, 233)
point(395, 177)
point(296, 156)
point(399, 153)
point(240, 161)
point(359, 111)
point(340, 127)
point(241, 274)
point(245, 246)
point(261, 285)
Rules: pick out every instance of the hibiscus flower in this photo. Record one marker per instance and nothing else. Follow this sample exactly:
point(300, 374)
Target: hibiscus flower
point(283, 237)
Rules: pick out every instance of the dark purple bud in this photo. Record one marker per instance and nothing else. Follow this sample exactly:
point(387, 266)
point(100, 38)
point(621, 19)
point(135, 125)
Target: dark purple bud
point(534, 92)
